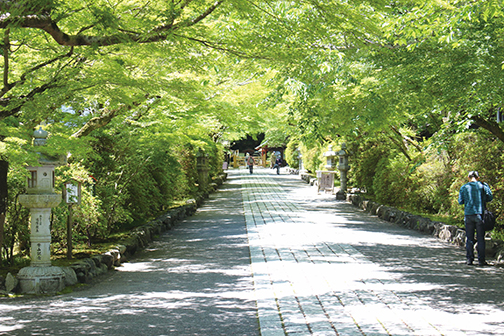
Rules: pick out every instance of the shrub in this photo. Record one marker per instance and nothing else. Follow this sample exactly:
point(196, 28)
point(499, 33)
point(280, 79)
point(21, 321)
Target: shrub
point(292, 154)
point(431, 180)
point(311, 158)
point(364, 160)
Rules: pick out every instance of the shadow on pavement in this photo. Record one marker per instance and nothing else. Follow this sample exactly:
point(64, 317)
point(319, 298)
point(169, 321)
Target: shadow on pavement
point(194, 280)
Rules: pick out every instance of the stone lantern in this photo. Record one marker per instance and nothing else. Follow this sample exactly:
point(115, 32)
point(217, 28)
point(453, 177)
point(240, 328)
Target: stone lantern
point(41, 277)
point(330, 157)
point(343, 167)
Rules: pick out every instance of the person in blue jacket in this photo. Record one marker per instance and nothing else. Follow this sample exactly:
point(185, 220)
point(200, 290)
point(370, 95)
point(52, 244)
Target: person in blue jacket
point(474, 195)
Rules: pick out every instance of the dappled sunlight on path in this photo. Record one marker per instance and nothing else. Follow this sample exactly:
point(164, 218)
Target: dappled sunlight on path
point(266, 255)
point(333, 270)
point(194, 280)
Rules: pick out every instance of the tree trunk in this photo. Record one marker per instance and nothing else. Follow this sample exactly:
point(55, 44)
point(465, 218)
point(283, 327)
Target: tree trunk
point(4, 167)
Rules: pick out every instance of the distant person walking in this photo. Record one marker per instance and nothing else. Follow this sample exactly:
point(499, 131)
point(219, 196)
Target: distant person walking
point(278, 163)
point(250, 163)
point(474, 195)
point(272, 160)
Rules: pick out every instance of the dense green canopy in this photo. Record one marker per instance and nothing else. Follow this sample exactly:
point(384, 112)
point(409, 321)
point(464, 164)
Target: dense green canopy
point(433, 62)
point(144, 76)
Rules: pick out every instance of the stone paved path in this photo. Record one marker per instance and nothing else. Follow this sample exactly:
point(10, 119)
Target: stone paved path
point(268, 256)
point(323, 268)
point(194, 280)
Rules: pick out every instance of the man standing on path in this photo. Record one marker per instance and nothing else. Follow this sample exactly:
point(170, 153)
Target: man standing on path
point(250, 163)
point(474, 195)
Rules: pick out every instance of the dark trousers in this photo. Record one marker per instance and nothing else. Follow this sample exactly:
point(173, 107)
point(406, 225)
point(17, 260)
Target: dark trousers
point(251, 169)
point(475, 223)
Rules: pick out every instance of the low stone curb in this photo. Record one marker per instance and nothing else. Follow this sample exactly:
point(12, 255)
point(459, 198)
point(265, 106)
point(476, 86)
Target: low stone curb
point(448, 233)
point(87, 269)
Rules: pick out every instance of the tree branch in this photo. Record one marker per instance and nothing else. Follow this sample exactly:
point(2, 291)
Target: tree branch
point(95, 123)
point(4, 102)
point(400, 144)
point(216, 47)
point(47, 24)
point(407, 138)
point(14, 104)
point(104, 119)
point(490, 125)
point(22, 79)
point(200, 18)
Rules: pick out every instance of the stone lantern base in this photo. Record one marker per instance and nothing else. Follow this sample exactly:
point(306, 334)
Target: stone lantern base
point(41, 279)
point(341, 195)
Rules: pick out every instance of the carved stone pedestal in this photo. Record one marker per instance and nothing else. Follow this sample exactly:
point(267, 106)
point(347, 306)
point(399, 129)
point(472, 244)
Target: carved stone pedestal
point(41, 279)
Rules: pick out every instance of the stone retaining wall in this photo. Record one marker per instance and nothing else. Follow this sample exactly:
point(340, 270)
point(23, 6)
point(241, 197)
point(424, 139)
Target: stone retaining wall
point(447, 233)
point(87, 269)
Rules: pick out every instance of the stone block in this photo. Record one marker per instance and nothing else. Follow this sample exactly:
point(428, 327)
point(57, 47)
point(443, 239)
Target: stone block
point(438, 226)
point(402, 218)
point(492, 247)
point(70, 276)
point(307, 178)
point(132, 245)
point(116, 256)
point(85, 270)
point(356, 200)
point(429, 227)
point(139, 238)
point(97, 259)
point(102, 269)
point(10, 283)
point(121, 248)
point(108, 260)
point(191, 207)
point(448, 233)
point(373, 209)
point(390, 215)
point(412, 222)
point(166, 219)
point(387, 213)
point(199, 201)
point(460, 238)
point(422, 224)
point(499, 258)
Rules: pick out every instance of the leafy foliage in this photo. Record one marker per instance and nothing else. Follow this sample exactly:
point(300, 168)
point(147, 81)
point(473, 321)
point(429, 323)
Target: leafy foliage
point(292, 153)
point(133, 90)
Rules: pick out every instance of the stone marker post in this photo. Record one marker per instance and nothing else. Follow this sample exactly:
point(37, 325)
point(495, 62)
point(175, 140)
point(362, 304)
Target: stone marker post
point(40, 277)
point(71, 195)
point(326, 177)
point(202, 168)
point(300, 158)
point(343, 167)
